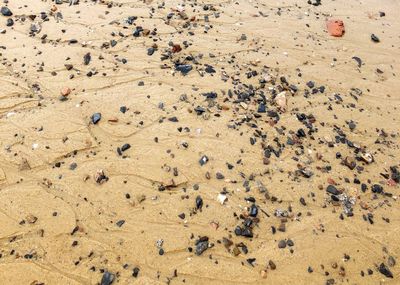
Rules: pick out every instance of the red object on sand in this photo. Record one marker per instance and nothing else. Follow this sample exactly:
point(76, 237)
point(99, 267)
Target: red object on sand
point(335, 27)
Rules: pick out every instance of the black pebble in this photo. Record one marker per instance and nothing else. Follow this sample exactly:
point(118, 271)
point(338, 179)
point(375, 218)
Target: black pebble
point(385, 271)
point(96, 117)
point(10, 22)
point(5, 11)
point(253, 211)
point(150, 51)
point(135, 272)
point(125, 147)
point(107, 279)
point(120, 223)
point(203, 160)
point(201, 247)
point(332, 190)
point(374, 38)
point(282, 244)
point(376, 188)
point(199, 202)
point(87, 58)
point(261, 108)
point(184, 68)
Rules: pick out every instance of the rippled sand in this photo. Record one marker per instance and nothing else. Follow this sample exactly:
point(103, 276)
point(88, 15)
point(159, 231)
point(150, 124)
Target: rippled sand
point(58, 226)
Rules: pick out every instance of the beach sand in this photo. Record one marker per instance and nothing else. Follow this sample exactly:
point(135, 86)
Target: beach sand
point(220, 180)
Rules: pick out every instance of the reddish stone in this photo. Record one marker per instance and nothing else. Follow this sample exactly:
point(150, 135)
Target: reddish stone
point(331, 181)
point(391, 182)
point(65, 91)
point(335, 27)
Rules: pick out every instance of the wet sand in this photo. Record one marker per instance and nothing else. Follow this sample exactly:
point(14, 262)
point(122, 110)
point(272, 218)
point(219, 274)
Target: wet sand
point(161, 174)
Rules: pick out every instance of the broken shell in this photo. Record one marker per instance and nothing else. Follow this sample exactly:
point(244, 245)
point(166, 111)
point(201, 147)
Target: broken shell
point(367, 157)
point(100, 177)
point(281, 101)
point(221, 198)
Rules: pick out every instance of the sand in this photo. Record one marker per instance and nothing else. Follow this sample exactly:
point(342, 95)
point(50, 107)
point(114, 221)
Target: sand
point(59, 226)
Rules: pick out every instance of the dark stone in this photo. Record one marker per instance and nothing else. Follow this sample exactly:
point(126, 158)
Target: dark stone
point(374, 38)
point(247, 233)
point(173, 119)
point(199, 202)
point(96, 117)
point(301, 133)
point(135, 272)
point(314, 2)
point(251, 261)
point(131, 19)
point(219, 176)
point(332, 190)
point(10, 22)
point(203, 160)
point(238, 231)
point(87, 58)
point(125, 147)
point(120, 223)
point(184, 68)
point(261, 108)
point(310, 84)
point(253, 211)
point(282, 244)
point(107, 279)
point(376, 188)
point(150, 51)
point(5, 11)
point(201, 246)
point(210, 69)
point(199, 110)
point(383, 269)
point(210, 95)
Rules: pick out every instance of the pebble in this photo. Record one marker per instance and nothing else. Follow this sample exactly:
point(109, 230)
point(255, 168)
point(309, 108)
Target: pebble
point(10, 22)
point(107, 279)
point(383, 269)
point(135, 272)
point(5, 11)
point(96, 117)
point(120, 223)
point(201, 245)
point(125, 147)
point(281, 101)
point(65, 91)
point(332, 190)
point(374, 38)
point(199, 202)
point(282, 244)
point(87, 58)
point(203, 160)
point(184, 68)
point(221, 198)
point(253, 211)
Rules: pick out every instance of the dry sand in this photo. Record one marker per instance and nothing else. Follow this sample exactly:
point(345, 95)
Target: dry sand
point(58, 226)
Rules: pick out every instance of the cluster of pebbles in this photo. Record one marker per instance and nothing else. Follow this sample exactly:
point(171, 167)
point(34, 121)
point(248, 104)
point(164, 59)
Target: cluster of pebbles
point(190, 163)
